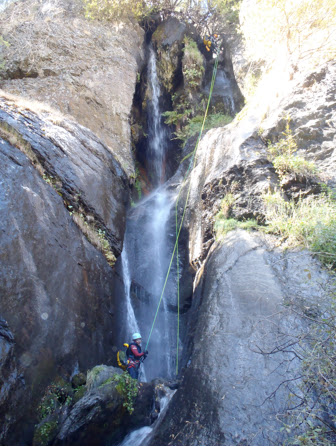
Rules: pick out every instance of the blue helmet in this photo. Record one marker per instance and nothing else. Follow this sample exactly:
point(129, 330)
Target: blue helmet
point(136, 335)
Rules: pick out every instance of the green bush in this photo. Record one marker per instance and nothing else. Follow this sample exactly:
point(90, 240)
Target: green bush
point(111, 10)
point(309, 222)
point(5, 44)
point(195, 125)
point(299, 166)
point(44, 434)
point(128, 388)
point(282, 154)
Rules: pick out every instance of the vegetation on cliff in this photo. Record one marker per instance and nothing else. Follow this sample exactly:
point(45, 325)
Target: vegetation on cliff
point(202, 14)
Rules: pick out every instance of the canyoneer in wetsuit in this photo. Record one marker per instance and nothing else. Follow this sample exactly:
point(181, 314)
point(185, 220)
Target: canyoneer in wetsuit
point(135, 356)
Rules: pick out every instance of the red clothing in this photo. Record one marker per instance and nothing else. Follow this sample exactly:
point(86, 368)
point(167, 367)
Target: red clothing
point(135, 355)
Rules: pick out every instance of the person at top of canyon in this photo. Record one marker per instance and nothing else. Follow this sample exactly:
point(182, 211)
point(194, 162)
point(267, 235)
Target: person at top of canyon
point(135, 356)
point(211, 43)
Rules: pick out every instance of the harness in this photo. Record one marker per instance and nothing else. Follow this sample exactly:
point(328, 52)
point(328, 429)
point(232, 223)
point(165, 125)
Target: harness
point(132, 362)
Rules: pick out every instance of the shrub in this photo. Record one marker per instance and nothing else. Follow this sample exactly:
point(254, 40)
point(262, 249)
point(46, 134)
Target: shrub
point(57, 393)
point(299, 166)
point(309, 222)
point(117, 9)
point(282, 154)
point(194, 125)
point(5, 44)
point(128, 388)
point(45, 433)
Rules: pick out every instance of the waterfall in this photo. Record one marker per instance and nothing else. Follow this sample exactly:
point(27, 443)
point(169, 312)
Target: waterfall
point(147, 250)
point(132, 324)
point(157, 135)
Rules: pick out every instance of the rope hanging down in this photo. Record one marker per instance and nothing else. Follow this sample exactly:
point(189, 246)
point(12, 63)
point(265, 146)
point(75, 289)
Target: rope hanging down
point(179, 227)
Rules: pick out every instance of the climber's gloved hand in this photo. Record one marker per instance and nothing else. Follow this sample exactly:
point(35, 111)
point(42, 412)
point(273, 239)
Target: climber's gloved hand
point(146, 353)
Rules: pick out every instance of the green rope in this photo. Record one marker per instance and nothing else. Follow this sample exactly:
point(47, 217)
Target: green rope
point(178, 297)
point(214, 73)
point(193, 164)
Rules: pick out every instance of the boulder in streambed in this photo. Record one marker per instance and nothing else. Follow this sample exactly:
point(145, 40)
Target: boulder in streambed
point(110, 406)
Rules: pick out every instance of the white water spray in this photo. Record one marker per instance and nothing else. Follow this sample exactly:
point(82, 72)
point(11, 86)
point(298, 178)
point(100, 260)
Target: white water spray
point(142, 435)
point(132, 324)
point(148, 248)
point(157, 137)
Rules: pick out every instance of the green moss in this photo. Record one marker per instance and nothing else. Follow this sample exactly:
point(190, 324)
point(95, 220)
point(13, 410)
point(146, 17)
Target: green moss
point(44, 433)
point(93, 374)
point(79, 393)
point(110, 380)
point(224, 225)
point(166, 69)
point(194, 125)
point(192, 65)
point(159, 35)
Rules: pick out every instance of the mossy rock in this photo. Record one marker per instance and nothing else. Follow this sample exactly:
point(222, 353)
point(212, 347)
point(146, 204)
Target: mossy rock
point(78, 380)
point(168, 40)
point(100, 374)
point(79, 393)
point(169, 32)
point(45, 432)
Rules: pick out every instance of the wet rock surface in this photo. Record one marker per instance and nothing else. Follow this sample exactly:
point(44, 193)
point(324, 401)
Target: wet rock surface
point(230, 393)
point(57, 289)
point(248, 294)
point(79, 67)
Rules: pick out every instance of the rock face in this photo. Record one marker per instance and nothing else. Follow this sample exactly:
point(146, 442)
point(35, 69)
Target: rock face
point(168, 40)
point(311, 107)
point(247, 293)
point(231, 394)
point(82, 68)
point(57, 289)
point(234, 159)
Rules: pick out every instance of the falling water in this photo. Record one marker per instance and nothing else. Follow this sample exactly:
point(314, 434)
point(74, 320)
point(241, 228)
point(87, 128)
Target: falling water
point(143, 434)
point(147, 250)
point(157, 135)
point(132, 324)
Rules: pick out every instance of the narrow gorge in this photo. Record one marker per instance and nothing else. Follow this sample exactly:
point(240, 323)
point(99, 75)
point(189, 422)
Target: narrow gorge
point(152, 184)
